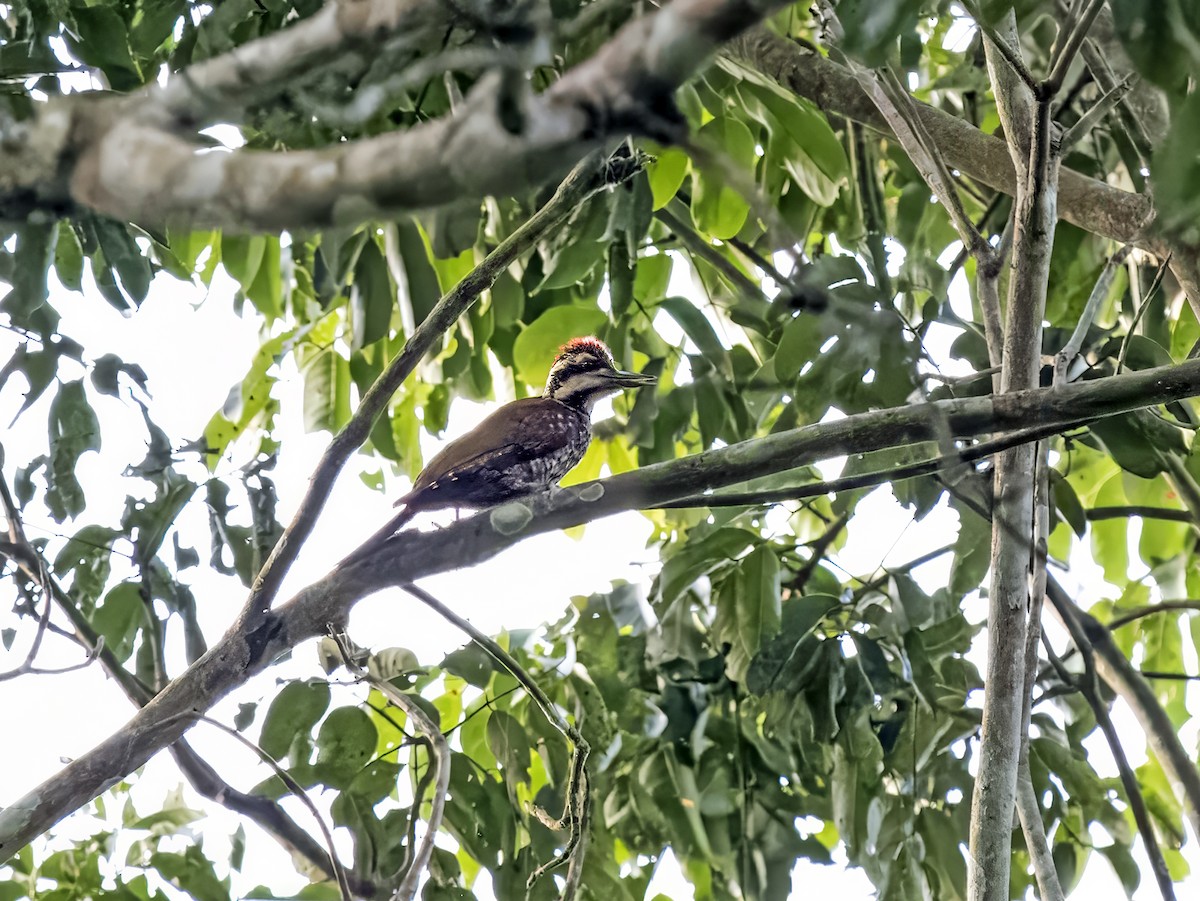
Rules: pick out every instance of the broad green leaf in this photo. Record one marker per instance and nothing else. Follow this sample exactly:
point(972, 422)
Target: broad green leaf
point(74, 429)
point(717, 210)
point(119, 617)
point(666, 175)
point(781, 662)
point(327, 392)
point(538, 344)
point(345, 742)
point(293, 712)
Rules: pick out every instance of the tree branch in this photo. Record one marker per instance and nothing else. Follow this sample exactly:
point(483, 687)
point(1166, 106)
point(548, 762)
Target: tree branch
point(1085, 202)
point(243, 652)
point(1119, 674)
point(439, 757)
point(1015, 572)
point(99, 153)
point(1089, 685)
point(1137, 613)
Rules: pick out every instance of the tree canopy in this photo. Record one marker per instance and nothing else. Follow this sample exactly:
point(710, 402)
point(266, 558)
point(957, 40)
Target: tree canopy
point(951, 244)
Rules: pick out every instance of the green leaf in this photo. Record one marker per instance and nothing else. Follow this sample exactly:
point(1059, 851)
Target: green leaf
point(1067, 503)
point(100, 39)
point(74, 429)
point(372, 299)
point(68, 258)
point(266, 289)
point(123, 255)
point(576, 249)
point(717, 210)
point(327, 392)
point(293, 712)
point(34, 255)
point(118, 618)
point(537, 346)
point(698, 557)
point(666, 175)
point(972, 551)
point(242, 255)
point(192, 873)
point(152, 520)
point(86, 556)
point(697, 327)
point(782, 661)
point(345, 742)
point(509, 744)
point(652, 278)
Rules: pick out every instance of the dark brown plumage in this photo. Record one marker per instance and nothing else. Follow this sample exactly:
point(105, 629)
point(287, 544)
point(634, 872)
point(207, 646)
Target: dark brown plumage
point(522, 448)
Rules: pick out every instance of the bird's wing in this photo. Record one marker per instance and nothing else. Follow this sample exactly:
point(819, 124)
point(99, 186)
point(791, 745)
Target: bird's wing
point(522, 430)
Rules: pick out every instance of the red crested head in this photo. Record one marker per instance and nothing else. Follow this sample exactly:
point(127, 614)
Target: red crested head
point(585, 345)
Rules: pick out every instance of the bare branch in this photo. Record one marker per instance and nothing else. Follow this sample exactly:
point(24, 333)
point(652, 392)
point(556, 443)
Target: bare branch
point(1010, 53)
point(1118, 673)
point(299, 793)
point(1097, 112)
point(1074, 31)
point(1137, 613)
point(1089, 685)
point(1168, 513)
point(1016, 544)
point(264, 811)
point(1085, 202)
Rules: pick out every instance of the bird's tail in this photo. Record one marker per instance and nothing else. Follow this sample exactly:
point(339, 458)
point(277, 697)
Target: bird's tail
point(376, 541)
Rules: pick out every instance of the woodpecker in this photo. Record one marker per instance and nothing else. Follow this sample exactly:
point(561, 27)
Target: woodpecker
point(524, 447)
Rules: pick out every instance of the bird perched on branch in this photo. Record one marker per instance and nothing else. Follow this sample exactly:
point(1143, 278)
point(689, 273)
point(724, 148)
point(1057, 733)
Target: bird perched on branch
point(524, 447)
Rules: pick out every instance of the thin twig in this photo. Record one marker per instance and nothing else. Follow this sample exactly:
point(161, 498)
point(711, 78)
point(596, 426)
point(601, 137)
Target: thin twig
point(1137, 613)
point(300, 794)
point(439, 754)
point(1098, 111)
point(1028, 809)
point(1099, 292)
point(1064, 54)
point(699, 246)
point(1089, 685)
point(1011, 55)
point(578, 798)
point(1165, 513)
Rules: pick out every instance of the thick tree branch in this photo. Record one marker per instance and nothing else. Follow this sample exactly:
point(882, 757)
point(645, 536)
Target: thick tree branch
point(1082, 201)
point(99, 153)
point(1014, 564)
point(243, 652)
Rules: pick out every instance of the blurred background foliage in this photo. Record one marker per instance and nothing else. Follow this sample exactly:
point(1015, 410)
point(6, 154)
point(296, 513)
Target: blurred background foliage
point(755, 703)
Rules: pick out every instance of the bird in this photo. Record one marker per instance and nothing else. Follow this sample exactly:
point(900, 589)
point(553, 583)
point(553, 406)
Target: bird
point(521, 449)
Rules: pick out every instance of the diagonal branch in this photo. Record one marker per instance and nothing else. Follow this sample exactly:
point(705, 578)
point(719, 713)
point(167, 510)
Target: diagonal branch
point(1083, 201)
point(1119, 674)
point(244, 652)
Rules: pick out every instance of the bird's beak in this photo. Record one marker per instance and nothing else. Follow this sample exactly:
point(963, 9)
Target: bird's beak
point(631, 379)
